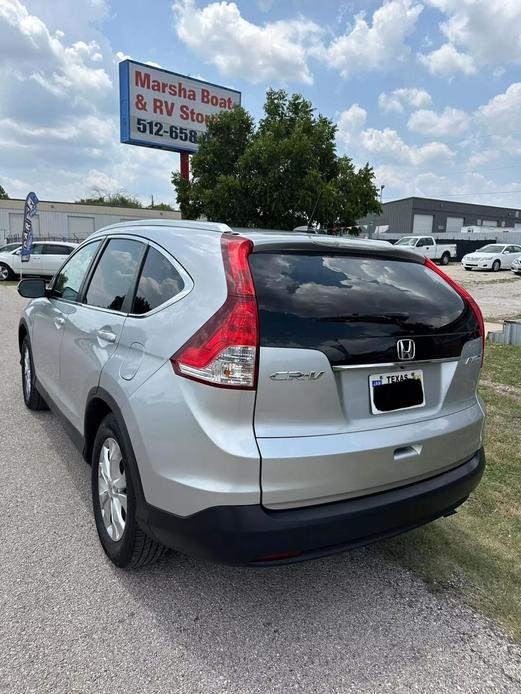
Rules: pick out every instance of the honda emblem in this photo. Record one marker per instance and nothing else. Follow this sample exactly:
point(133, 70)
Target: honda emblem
point(406, 349)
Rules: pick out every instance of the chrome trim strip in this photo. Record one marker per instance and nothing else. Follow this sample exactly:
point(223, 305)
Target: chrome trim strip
point(404, 364)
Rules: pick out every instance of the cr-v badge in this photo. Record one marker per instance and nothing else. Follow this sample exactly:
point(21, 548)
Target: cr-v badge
point(296, 376)
point(406, 349)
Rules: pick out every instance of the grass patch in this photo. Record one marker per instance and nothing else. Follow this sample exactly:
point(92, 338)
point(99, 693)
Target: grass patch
point(478, 551)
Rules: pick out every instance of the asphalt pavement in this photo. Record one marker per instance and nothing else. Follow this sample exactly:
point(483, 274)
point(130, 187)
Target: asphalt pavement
point(71, 622)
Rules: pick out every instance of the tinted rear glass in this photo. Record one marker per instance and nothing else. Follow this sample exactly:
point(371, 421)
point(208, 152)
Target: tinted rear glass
point(159, 282)
point(347, 305)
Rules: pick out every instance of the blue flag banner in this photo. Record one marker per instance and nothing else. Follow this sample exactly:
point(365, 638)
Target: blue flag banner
point(31, 203)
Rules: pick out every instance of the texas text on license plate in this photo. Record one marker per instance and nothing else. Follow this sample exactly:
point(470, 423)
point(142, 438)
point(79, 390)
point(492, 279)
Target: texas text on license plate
point(396, 390)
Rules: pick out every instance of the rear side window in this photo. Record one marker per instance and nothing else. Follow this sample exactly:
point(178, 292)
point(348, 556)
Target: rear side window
point(351, 307)
point(114, 274)
point(159, 282)
point(55, 249)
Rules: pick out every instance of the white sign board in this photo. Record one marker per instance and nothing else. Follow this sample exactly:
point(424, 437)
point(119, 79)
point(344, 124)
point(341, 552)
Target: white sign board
point(162, 109)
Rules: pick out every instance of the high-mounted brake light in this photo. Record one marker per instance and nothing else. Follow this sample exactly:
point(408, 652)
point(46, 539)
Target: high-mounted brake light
point(223, 352)
point(465, 296)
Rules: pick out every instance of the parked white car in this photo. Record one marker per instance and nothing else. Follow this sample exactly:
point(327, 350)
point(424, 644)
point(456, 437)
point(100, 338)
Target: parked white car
point(45, 260)
point(494, 256)
point(428, 247)
point(516, 266)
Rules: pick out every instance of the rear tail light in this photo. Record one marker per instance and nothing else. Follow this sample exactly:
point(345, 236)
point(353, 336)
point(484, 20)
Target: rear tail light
point(224, 351)
point(465, 296)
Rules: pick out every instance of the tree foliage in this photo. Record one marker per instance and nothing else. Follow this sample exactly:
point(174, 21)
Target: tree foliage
point(119, 199)
point(3, 194)
point(274, 174)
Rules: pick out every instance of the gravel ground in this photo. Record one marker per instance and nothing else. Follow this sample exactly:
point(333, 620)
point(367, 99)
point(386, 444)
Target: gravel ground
point(71, 622)
point(497, 293)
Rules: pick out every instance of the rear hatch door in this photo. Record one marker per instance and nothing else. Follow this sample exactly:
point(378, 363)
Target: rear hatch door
point(356, 341)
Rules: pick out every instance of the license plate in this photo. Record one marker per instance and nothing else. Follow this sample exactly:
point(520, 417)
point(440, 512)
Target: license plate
point(396, 390)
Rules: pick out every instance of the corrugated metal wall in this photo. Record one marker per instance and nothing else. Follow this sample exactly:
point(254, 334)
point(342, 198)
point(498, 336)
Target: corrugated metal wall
point(54, 223)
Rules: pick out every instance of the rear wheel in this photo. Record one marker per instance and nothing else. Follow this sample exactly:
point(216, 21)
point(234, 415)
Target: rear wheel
point(114, 501)
point(445, 259)
point(5, 272)
point(32, 397)
point(496, 265)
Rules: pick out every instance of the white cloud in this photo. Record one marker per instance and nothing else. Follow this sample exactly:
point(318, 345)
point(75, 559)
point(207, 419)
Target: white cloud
point(481, 158)
point(447, 61)
point(451, 122)
point(387, 144)
point(502, 113)
point(478, 32)
point(399, 99)
point(59, 129)
point(350, 123)
point(377, 45)
point(221, 36)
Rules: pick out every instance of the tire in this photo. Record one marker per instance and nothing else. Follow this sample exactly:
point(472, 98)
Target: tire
point(496, 265)
point(32, 398)
point(124, 542)
point(5, 273)
point(445, 259)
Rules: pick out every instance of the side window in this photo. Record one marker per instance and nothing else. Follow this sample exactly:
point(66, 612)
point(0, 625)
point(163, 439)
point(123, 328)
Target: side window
point(158, 283)
point(38, 249)
point(68, 282)
point(114, 274)
point(55, 249)
point(424, 242)
point(509, 249)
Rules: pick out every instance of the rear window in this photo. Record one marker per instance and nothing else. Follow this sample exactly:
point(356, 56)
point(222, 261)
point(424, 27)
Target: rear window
point(347, 305)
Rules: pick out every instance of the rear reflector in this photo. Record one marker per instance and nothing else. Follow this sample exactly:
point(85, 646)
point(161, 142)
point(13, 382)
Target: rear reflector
point(279, 556)
point(465, 296)
point(223, 352)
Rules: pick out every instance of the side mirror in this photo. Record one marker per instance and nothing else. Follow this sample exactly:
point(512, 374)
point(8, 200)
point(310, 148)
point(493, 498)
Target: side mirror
point(32, 288)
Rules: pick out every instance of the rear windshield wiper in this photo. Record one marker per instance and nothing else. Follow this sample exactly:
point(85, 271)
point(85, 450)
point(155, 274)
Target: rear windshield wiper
point(394, 317)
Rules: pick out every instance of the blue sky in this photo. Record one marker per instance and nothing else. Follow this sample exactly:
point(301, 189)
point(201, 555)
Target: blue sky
point(428, 92)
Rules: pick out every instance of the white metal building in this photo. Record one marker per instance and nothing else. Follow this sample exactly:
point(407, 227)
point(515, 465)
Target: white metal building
point(69, 220)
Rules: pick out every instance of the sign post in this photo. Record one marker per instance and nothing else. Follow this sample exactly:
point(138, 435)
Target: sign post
point(185, 166)
point(31, 203)
point(166, 110)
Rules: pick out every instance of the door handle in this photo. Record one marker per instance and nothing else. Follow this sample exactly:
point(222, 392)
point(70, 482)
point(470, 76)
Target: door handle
point(106, 335)
point(58, 322)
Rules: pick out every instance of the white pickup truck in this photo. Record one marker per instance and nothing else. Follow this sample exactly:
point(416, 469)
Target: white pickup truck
point(426, 245)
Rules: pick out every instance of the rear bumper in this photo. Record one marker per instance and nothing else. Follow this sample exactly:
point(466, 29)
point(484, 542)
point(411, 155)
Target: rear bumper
point(245, 534)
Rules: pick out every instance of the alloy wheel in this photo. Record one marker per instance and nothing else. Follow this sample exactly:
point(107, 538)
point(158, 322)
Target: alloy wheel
point(27, 374)
point(112, 489)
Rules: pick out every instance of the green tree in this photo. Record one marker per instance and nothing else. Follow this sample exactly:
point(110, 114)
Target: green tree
point(119, 199)
point(3, 194)
point(274, 174)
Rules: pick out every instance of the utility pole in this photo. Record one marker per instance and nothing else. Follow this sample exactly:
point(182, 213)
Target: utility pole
point(381, 193)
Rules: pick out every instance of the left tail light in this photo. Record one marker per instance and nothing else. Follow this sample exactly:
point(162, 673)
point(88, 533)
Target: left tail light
point(224, 351)
point(465, 296)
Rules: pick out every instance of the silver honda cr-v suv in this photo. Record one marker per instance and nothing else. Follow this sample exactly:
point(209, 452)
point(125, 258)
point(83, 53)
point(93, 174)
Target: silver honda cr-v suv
point(257, 397)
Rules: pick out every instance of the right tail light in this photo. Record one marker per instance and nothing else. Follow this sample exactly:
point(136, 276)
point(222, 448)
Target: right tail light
point(465, 296)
